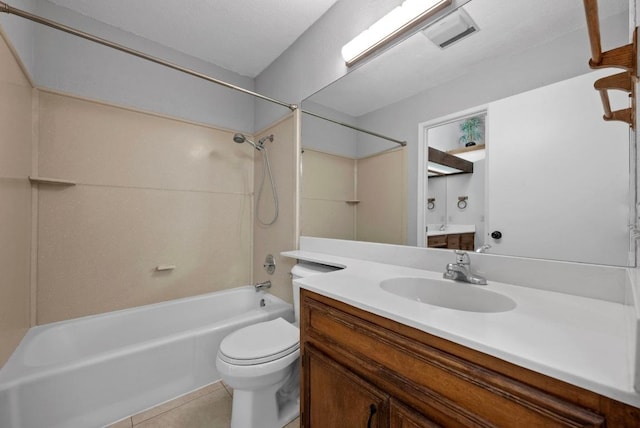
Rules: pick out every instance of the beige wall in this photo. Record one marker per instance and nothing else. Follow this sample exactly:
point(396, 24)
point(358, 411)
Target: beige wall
point(382, 191)
point(15, 201)
point(150, 191)
point(282, 235)
point(328, 181)
point(379, 184)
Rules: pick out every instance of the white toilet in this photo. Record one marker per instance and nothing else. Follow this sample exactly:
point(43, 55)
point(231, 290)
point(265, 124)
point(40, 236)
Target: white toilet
point(261, 363)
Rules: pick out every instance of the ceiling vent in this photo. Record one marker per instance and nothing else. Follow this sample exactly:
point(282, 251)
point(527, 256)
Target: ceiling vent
point(451, 29)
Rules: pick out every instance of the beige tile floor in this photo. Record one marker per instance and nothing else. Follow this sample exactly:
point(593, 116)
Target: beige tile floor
point(209, 407)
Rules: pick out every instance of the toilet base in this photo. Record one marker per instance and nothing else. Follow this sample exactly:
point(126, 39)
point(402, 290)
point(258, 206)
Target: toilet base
point(251, 409)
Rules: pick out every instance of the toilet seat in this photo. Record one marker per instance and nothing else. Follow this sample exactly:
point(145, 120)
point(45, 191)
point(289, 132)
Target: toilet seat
point(260, 343)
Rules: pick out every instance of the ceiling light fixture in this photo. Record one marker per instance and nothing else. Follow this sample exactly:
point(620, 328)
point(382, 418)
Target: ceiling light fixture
point(409, 15)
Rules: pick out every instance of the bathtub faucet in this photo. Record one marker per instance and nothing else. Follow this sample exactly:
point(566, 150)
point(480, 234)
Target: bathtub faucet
point(263, 285)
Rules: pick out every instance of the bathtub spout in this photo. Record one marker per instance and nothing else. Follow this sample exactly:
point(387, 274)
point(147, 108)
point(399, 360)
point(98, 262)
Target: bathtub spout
point(263, 285)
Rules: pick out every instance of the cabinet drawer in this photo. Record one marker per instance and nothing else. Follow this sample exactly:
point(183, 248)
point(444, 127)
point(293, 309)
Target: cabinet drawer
point(438, 241)
point(447, 389)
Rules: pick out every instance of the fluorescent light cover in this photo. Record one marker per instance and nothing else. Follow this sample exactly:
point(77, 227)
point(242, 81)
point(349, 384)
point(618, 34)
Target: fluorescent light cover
point(397, 22)
point(441, 169)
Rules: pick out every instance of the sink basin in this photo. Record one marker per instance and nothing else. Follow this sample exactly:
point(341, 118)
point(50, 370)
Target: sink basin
point(448, 294)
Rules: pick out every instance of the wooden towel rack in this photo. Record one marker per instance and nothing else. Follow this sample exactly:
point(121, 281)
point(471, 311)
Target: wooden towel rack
point(623, 57)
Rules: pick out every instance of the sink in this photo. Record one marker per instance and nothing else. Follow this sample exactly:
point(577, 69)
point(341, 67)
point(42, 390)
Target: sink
point(448, 294)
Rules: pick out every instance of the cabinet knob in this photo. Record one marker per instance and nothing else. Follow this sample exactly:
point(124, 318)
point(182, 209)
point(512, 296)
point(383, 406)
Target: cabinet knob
point(372, 411)
point(496, 234)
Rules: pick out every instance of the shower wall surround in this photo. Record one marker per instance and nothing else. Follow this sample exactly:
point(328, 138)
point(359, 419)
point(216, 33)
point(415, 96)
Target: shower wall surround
point(382, 190)
point(340, 196)
point(327, 182)
point(15, 201)
point(150, 191)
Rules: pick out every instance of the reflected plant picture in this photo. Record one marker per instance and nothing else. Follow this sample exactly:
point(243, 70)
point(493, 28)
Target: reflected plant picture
point(472, 131)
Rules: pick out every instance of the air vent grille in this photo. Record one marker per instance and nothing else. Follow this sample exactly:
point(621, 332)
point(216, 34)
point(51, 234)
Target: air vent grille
point(451, 29)
point(458, 37)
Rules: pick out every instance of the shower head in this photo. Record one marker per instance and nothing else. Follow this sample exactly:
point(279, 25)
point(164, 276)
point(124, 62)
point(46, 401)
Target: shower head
point(240, 138)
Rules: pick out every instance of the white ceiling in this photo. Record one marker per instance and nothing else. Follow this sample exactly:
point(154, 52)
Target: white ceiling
point(507, 27)
point(243, 36)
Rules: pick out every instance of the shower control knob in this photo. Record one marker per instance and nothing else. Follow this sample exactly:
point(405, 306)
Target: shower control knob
point(269, 264)
point(496, 234)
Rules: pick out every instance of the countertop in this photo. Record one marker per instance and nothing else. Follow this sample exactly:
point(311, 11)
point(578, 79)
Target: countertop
point(434, 229)
point(583, 341)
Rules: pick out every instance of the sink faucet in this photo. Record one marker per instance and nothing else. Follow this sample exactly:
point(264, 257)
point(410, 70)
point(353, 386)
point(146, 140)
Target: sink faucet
point(461, 270)
point(263, 285)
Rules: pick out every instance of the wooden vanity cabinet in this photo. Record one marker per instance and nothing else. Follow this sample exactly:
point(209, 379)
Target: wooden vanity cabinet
point(453, 241)
point(363, 370)
point(348, 400)
point(437, 241)
point(467, 241)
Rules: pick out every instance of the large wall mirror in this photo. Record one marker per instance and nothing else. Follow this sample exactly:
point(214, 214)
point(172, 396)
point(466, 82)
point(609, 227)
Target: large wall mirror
point(548, 174)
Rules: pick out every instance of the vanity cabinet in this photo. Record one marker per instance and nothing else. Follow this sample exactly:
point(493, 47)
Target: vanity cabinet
point(361, 370)
point(348, 400)
point(454, 241)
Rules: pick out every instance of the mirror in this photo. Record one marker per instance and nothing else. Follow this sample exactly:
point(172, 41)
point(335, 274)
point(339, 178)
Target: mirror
point(360, 186)
point(455, 183)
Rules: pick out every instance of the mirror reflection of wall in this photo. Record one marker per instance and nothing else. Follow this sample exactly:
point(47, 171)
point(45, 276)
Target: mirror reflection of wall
point(559, 183)
point(346, 198)
point(436, 211)
point(345, 195)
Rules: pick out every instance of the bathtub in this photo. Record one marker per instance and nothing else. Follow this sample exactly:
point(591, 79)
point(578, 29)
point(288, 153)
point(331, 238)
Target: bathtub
point(96, 370)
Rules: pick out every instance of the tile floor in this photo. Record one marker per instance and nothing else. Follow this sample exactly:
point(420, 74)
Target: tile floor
point(209, 407)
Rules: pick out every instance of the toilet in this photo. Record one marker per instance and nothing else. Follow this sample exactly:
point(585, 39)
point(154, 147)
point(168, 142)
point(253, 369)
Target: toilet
point(261, 363)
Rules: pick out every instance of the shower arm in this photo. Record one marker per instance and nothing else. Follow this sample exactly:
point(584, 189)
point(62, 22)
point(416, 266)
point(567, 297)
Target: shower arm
point(5, 8)
point(263, 140)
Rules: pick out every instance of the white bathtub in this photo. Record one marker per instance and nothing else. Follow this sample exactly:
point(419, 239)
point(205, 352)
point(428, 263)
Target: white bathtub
point(93, 371)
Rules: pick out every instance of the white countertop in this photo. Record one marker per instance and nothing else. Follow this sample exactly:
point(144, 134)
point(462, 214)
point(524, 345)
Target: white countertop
point(434, 229)
point(583, 341)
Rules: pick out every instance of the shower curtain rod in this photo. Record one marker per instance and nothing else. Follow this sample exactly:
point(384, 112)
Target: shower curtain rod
point(366, 131)
point(5, 8)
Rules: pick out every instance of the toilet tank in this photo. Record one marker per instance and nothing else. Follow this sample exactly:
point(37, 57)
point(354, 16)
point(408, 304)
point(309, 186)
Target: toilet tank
point(303, 270)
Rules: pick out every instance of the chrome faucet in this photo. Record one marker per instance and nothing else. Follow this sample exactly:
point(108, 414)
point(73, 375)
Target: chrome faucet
point(263, 285)
point(461, 270)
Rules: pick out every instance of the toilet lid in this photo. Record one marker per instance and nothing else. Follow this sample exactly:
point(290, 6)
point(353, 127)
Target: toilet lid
point(260, 343)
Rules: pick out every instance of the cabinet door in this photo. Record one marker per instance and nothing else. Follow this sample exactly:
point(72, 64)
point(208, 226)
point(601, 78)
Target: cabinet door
point(453, 241)
point(401, 416)
point(467, 241)
point(336, 397)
